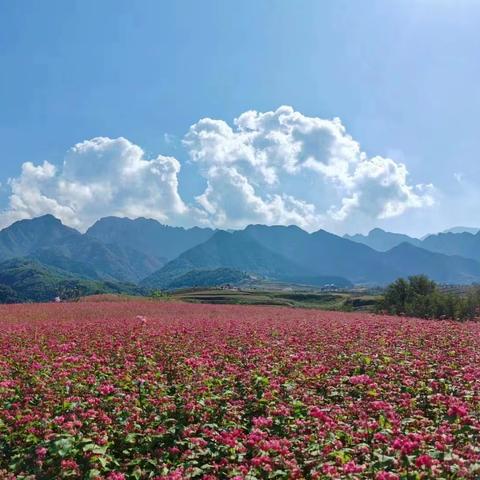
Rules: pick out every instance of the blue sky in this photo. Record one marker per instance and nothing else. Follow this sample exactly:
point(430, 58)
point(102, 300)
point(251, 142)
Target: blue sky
point(401, 75)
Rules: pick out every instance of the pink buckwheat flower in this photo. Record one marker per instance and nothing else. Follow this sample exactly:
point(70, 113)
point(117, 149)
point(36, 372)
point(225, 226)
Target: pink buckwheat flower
point(116, 476)
point(424, 460)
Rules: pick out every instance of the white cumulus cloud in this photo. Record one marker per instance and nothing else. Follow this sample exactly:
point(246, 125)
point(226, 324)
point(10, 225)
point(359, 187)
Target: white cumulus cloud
point(278, 167)
point(231, 201)
point(99, 177)
point(285, 167)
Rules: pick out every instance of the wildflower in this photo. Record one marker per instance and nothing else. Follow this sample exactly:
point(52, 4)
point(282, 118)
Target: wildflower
point(106, 389)
point(424, 460)
point(458, 410)
point(260, 422)
point(320, 414)
point(116, 476)
point(352, 467)
point(386, 476)
point(360, 380)
point(41, 452)
point(68, 465)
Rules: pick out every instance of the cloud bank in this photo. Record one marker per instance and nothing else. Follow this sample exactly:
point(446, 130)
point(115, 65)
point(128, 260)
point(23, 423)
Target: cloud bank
point(278, 167)
point(99, 177)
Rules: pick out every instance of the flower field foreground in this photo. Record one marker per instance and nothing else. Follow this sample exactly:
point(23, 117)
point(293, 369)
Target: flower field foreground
point(142, 390)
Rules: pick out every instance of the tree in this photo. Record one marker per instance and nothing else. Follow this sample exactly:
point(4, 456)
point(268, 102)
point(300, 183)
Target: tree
point(421, 285)
point(418, 296)
point(396, 297)
point(8, 295)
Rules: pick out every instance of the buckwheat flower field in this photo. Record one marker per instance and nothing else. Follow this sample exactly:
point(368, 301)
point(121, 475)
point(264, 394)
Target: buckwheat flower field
point(147, 390)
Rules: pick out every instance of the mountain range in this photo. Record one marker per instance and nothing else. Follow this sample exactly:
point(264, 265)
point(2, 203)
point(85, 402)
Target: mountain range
point(50, 242)
point(472, 230)
point(290, 254)
point(383, 241)
point(456, 241)
point(118, 254)
point(148, 236)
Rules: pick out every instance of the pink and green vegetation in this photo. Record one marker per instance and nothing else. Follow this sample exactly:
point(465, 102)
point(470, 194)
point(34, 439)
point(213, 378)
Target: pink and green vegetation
point(148, 390)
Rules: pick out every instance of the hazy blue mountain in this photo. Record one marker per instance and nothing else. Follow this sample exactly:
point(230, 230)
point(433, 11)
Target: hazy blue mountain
point(410, 260)
point(456, 241)
point(148, 236)
point(472, 230)
point(359, 263)
point(323, 253)
point(463, 244)
point(223, 250)
point(239, 251)
point(381, 240)
point(283, 253)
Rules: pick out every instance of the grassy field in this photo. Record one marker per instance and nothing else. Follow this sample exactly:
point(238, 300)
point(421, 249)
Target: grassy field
point(342, 301)
point(266, 294)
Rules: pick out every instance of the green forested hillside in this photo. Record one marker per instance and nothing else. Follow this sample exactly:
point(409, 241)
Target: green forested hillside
point(209, 278)
point(27, 280)
point(89, 257)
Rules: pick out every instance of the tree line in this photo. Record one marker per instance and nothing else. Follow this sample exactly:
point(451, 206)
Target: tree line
point(418, 296)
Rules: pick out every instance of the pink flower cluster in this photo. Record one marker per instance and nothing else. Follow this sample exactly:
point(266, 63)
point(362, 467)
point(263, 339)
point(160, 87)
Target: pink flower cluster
point(95, 391)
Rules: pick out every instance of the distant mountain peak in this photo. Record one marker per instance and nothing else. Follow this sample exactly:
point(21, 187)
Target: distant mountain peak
point(471, 230)
point(259, 226)
point(381, 240)
point(405, 246)
point(148, 235)
point(25, 236)
point(322, 231)
point(47, 219)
